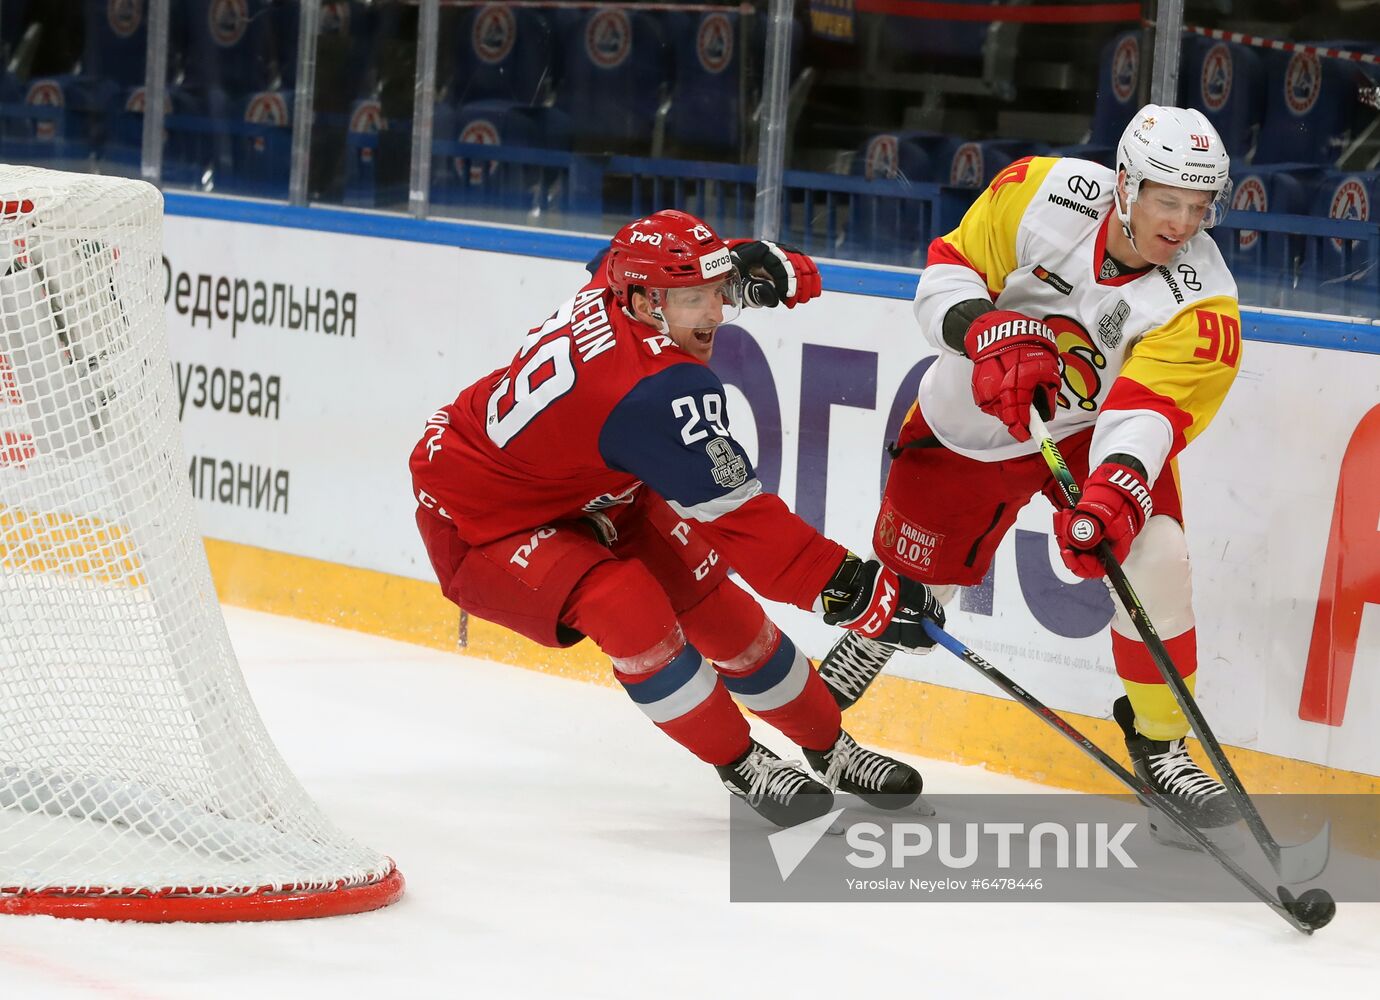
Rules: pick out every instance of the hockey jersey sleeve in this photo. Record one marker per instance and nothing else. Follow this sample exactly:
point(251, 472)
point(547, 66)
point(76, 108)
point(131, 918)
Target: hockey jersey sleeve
point(1171, 385)
point(972, 262)
point(671, 432)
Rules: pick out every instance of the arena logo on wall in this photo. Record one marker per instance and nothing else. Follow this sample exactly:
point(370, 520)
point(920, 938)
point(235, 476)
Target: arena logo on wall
point(882, 158)
point(1251, 196)
point(124, 16)
point(45, 94)
point(1349, 201)
point(366, 118)
point(228, 20)
point(1216, 77)
point(965, 169)
point(1125, 69)
point(1302, 82)
point(608, 38)
point(494, 34)
point(714, 43)
point(266, 108)
point(481, 132)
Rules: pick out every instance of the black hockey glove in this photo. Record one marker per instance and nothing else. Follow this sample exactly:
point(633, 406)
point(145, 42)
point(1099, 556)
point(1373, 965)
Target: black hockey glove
point(875, 602)
point(773, 273)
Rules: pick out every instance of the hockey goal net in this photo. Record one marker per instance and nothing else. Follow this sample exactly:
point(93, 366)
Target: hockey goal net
point(136, 778)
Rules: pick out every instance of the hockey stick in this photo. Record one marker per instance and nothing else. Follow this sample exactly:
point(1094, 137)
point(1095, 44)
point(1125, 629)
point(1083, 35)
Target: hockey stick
point(1308, 912)
point(1293, 863)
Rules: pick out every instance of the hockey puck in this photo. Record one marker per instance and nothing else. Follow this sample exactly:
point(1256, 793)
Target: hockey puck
point(1315, 908)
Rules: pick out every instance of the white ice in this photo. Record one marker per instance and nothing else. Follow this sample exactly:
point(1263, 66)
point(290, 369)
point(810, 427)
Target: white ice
point(555, 845)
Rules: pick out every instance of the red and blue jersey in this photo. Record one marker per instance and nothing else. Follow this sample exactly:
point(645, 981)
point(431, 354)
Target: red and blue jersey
point(594, 405)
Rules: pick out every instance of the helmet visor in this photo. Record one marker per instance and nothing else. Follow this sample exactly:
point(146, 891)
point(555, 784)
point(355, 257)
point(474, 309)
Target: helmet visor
point(1217, 211)
point(1186, 203)
point(707, 305)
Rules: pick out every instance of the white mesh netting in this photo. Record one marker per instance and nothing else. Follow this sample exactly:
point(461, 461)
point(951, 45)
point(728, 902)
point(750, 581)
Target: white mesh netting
point(132, 759)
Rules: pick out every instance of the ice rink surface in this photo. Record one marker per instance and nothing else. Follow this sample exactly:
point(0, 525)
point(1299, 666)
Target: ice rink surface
point(555, 845)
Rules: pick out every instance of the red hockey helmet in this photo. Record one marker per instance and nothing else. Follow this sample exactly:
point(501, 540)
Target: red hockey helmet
point(669, 249)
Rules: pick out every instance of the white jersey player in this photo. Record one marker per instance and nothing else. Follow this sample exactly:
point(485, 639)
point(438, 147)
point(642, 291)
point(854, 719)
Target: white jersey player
point(1098, 297)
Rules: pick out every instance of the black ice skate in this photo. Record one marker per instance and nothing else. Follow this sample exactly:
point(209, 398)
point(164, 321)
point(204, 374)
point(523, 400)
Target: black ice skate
point(876, 779)
point(1166, 765)
point(779, 790)
point(851, 665)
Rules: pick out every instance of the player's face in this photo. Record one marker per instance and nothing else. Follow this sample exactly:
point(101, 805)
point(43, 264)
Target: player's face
point(694, 314)
point(1164, 218)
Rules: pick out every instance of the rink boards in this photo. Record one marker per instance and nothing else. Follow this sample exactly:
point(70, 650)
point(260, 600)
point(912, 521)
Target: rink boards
point(305, 488)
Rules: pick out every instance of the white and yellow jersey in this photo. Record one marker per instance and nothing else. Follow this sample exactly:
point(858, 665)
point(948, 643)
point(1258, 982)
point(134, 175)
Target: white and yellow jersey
point(1147, 357)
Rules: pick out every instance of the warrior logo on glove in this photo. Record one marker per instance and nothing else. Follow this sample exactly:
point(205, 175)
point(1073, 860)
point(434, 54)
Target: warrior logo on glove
point(1015, 363)
point(1114, 507)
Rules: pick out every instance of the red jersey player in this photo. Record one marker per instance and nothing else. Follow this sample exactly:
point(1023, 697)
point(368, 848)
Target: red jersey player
point(592, 488)
point(1098, 297)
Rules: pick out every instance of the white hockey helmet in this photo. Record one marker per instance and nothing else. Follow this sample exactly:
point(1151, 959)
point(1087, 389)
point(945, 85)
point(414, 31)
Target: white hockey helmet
point(1178, 147)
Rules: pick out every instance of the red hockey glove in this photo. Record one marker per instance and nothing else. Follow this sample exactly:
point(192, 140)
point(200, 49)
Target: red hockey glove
point(774, 273)
point(1115, 505)
point(1015, 363)
point(873, 601)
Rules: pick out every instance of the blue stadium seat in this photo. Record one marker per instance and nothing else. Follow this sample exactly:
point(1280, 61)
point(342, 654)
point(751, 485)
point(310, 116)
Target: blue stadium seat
point(116, 41)
point(973, 164)
point(233, 46)
point(616, 65)
point(1226, 82)
point(1265, 264)
point(361, 153)
point(882, 228)
point(1341, 274)
point(54, 121)
point(259, 138)
point(708, 107)
point(457, 180)
point(502, 53)
point(1118, 78)
point(1310, 105)
point(186, 153)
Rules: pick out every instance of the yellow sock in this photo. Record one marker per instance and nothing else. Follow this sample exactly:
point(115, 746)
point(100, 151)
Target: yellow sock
point(1158, 715)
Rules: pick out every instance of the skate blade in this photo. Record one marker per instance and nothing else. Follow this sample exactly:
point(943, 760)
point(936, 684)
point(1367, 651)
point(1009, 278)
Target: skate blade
point(922, 807)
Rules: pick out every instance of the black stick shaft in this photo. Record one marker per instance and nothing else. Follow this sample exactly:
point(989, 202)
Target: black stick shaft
point(1142, 789)
point(1163, 663)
